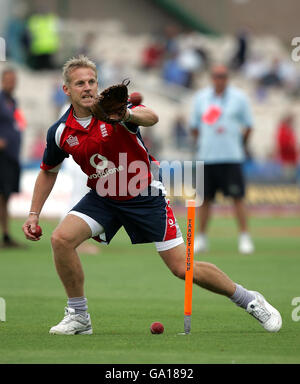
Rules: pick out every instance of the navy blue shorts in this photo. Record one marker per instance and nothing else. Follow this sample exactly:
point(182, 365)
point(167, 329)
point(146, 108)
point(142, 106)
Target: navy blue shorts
point(227, 178)
point(146, 219)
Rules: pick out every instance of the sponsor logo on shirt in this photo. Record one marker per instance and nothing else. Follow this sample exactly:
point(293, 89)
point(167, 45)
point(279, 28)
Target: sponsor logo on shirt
point(104, 167)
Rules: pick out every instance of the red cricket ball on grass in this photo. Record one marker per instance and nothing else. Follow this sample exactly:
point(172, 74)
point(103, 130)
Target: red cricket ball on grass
point(38, 231)
point(156, 328)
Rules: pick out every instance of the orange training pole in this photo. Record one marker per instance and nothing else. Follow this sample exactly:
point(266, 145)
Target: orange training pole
point(191, 206)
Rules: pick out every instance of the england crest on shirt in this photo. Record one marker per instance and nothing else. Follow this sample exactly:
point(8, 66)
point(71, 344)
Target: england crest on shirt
point(72, 140)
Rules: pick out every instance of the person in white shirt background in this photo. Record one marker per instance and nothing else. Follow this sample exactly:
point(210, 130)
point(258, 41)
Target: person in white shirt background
point(221, 123)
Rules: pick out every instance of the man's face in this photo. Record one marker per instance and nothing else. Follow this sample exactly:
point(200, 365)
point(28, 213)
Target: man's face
point(219, 77)
point(9, 81)
point(82, 88)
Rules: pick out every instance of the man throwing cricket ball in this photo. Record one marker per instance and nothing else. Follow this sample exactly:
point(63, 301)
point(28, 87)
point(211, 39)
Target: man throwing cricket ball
point(103, 136)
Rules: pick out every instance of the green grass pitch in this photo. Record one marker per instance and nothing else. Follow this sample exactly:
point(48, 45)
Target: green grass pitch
point(128, 287)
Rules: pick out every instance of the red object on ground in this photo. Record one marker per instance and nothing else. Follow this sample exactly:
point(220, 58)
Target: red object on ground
point(156, 328)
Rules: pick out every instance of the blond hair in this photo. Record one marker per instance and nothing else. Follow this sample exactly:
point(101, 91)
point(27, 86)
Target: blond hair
point(77, 62)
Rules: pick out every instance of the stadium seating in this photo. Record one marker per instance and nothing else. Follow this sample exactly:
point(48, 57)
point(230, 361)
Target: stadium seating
point(35, 91)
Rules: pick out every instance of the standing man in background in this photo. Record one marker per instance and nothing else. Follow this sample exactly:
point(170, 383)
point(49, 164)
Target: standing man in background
point(10, 144)
point(221, 123)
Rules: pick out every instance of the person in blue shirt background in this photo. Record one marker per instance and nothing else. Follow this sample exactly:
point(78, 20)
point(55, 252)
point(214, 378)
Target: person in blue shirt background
point(221, 123)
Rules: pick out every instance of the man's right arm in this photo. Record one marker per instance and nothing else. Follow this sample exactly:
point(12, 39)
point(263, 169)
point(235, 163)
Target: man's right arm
point(52, 160)
point(43, 186)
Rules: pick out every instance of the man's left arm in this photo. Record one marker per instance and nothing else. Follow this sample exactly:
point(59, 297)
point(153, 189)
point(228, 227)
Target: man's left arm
point(141, 116)
point(246, 134)
point(247, 123)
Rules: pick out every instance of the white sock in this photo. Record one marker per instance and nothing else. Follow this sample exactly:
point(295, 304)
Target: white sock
point(242, 297)
point(79, 304)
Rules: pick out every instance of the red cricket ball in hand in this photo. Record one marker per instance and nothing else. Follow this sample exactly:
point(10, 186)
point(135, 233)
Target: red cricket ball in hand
point(156, 328)
point(136, 98)
point(38, 231)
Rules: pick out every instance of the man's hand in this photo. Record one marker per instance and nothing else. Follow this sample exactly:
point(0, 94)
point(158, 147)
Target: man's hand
point(29, 227)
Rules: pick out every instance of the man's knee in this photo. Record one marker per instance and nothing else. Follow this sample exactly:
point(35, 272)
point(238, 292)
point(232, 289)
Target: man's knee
point(60, 240)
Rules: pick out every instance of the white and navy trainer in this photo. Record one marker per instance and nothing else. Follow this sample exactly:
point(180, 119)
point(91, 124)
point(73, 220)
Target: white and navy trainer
point(267, 315)
point(73, 324)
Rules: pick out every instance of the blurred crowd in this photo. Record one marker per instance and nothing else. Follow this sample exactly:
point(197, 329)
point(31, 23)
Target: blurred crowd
point(176, 56)
point(181, 57)
point(32, 38)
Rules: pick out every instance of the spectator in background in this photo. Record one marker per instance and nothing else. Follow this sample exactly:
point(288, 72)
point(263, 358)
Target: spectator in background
point(170, 37)
point(180, 132)
point(11, 123)
point(174, 73)
point(286, 144)
point(15, 33)
point(279, 73)
point(241, 54)
point(152, 55)
point(272, 77)
point(42, 40)
point(253, 70)
point(221, 122)
point(190, 62)
point(186, 59)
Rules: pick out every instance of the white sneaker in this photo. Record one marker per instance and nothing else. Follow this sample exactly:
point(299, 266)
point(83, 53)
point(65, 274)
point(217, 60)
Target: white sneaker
point(267, 315)
point(200, 243)
point(73, 324)
point(246, 245)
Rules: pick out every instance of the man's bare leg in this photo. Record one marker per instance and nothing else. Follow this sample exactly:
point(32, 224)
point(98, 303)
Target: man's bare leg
point(70, 233)
point(206, 275)
point(210, 277)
